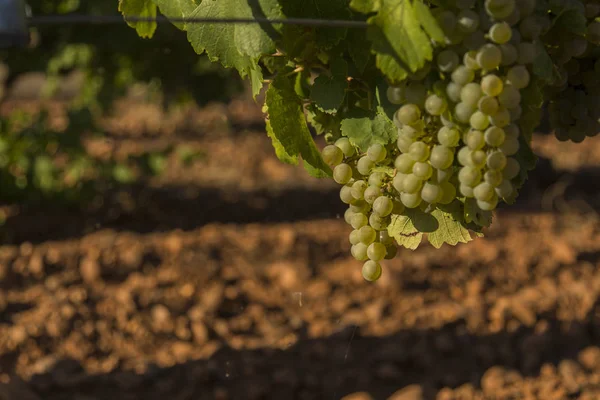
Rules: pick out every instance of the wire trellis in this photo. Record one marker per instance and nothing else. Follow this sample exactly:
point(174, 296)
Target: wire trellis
point(73, 19)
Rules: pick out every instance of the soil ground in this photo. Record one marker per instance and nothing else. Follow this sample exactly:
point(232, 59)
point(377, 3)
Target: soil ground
point(232, 279)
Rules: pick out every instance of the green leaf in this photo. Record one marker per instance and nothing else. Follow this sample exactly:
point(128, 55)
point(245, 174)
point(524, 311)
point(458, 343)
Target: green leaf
point(323, 122)
point(328, 92)
point(256, 80)
point(571, 20)
point(359, 48)
point(234, 45)
point(139, 8)
point(366, 129)
point(176, 9)
point(543, 66)
point(280, 151)
point(365, 6)
point(288, 126)
point(428, 21)
point(450, 230)
point(403, 230)
point(474, 214)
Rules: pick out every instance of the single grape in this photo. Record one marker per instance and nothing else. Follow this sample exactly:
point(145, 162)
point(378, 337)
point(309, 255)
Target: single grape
point(442, 175)
point(358, 189)
point(431, 193)
point(466, 191)
point(478, 159)
point(453, 91)
point(412, 183)
point(364, 165)
point(376, 152)
point(342, 174)
point(488, 105)
point(510, 147)
point(390, 251)
point(358, 220)
point(409, 114)
point(448, 137)
point(411, 200)
point(371, 271)
point(383, 206)
point(441, 157)
point(376, 178)
point(332, 155)
point(505, 189)
point(396, 94)
point(377, 222)
point(467, 21)
point(419, 151)
point(518, 76)
point(346, 195)
point(344, 144)
point(500, 9)
point(492, 85)
point(469, 176)
point(448, 193)
point(354, 237)
point(359, 251)
point(500, 33)
point(462, 75)
point(511, 169)
point(404, 163)
point(403, 143)
point(447, 60)
point(484, 191)
point(496, 160)
point(464, 157)
point(475, 140)
point(360, 206)
point(398, 182)
point(493, 177)
point(436, 105)
point(489, 57)
point(488, 205)
point(479, 121)
point(510, 96)
point(495, 136)
point(501, 118)
point(471, 93)
point(372, 193)
point(376, 251)
point(385, 238)
point(366, 235)
point(463, 112)
point(422, 170)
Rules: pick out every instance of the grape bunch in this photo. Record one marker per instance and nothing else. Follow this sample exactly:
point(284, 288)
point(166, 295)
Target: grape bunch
point(458, 127)
point(574, 99)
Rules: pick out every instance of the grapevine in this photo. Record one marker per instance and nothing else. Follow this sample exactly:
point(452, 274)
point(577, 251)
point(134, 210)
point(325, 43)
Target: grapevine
point(428, 114)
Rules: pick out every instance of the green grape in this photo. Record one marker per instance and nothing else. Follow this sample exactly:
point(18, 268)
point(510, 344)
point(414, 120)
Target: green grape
point(376, 251)
point(403, 143)
point(470, 60)
point(453, 91)
point(496, 160)
point(366, 235)
point(410, 132)
point(473, 42)
point(390, 251)
point(364, 165)
point(404, 163)
point(471, 93)
point(489, 57)
point(416, 93)
point(512, 130)
point(422, 170)
point(448, 137)
point(510, 54)
point(358, 189)
point(492, 85)
point(346, 195)
point(332, 155)
point(475, 140)
point(448, 193)
point(501, 118)
point(348, 214)
point(396, 94)
point(488, 105)
point(488, 205)
point(376, 152)
point(342, 174)
point(446, 20)
point(527, 53)
point(371, 271)
point(467, 21)
point(409, 114)
point(358, 220)
point(344, 144)
point(371, 193)
point(385, 238)
point(419, 151)
point(431, 193)
point(435, 105)
point(466, 191)
point(377, 222)
point(505, 189)
point(398, 207)
point(441, 157)
point(529, 28)
point(500, 9)
point(469, 176)
point(442, 175)
point(500, 33)
point(411, 200)
point(511, 169)
point(359, 252)
point(494, 136)
point(479, 121)
point(376, 178)
point(515, 113)
point(493, 177)
point(360, 206)
point(411, 184)
point(447, 60)
point(398, 182)
point(463, 112)
point(383, 206)
point(464, 157)
point(462, 75)
point(510, 147)
point(478, 159)
point(484, 191)
point(510, 96)
point(354, 237)
point(518, 76)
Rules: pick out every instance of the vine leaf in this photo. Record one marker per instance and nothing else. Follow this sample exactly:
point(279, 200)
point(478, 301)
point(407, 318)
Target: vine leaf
point(403, 230)
point(234, 45)
point(177, 9)
point(328, 92)
point(139, 8)
point(450, 230)
point(288, 130)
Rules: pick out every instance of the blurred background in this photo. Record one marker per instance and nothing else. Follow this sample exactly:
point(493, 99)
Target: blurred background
point(153, 247)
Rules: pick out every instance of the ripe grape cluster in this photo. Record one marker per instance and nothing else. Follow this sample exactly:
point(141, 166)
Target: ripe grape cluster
point(574, 99)
point(458, 127)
